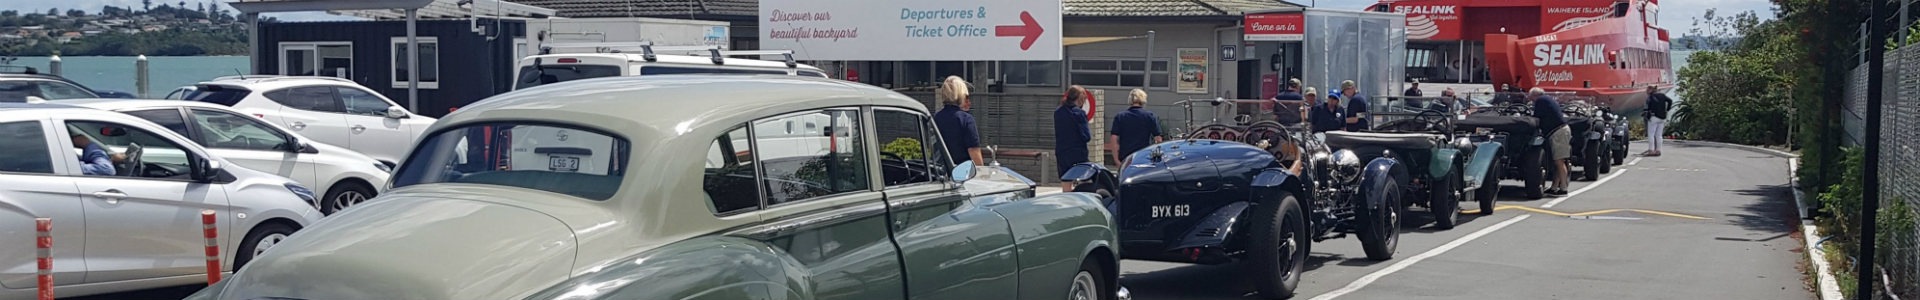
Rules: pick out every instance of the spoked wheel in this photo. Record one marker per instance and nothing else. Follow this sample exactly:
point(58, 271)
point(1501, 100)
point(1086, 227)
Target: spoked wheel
point(1533, 170)
point(1489, 190)
point(1280, 244)
point(1443, 199)
point(343, 195)
point(1380, 226)
point(1590, 161)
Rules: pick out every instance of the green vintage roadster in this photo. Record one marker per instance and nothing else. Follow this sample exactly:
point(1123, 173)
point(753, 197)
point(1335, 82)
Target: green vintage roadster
point(694, 187)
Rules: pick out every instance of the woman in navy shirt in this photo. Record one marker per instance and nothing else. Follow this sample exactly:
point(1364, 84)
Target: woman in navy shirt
point(957, 131)
point(1070, 134)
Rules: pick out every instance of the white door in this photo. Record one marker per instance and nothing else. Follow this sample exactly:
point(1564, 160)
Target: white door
point(36, 188)
point(145, 224)
point(247, 142)
point(370, 130)
point(314, 112)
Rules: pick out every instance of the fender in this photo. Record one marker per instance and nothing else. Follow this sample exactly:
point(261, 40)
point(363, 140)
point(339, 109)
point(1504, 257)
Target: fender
point(1213, 230)
point(1442, 162)
point(1373, 180)
point(1481, 163)
point(713, 267)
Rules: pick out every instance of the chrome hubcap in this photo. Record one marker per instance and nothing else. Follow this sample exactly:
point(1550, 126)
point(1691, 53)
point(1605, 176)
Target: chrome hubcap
point(1084, 287)
point(267, 242)
point(347, 199)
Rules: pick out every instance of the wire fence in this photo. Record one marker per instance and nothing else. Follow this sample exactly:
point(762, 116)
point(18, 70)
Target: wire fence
point(1898, 247)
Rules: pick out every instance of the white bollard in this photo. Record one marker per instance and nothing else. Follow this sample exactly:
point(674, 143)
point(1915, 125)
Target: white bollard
point(140, 75)
point(53, 65)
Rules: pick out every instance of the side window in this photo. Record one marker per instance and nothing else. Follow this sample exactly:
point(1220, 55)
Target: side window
point(230, 131)
point(130, 151)
point(165, 117)
point(728, 174)
point(314, 98)
point(55, 90)
point(903, 147)
point(938, 160)
point(361, 102)
point(811, 154)
point(23, 148)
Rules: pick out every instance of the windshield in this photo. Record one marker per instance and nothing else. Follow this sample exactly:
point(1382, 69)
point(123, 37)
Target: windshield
point(532, 76)
point(555, 158)
point(215, 94)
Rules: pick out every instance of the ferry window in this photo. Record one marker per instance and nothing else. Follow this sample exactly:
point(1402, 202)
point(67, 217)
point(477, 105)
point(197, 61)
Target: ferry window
point(429, 62)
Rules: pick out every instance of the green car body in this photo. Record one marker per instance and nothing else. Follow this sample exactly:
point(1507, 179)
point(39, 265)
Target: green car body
point(667, 232)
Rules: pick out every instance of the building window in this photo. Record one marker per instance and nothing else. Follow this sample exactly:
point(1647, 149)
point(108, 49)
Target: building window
point(1118, 73)
point(429, 62)
point(1417, 58)
point(1034, 73)
point(331, 59)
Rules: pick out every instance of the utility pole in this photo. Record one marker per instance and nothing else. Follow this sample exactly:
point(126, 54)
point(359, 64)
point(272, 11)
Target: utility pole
point(1870, 185)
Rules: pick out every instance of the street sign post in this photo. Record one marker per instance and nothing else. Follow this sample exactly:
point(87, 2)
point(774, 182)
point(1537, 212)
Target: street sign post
point(939, 30)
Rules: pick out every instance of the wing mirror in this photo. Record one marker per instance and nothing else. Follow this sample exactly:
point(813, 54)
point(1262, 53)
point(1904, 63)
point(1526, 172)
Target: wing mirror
point(395, 112)
point(298, 146)
point(206, 170)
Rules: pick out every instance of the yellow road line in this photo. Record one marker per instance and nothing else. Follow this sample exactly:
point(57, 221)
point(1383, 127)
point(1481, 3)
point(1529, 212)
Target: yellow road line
point(1587, 213)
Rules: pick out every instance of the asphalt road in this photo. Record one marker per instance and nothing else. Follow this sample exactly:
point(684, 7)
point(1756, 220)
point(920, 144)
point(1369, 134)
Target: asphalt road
point(1700, 222)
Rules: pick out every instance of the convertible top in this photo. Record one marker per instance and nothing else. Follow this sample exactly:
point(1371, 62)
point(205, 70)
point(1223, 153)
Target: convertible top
point(1519, 125)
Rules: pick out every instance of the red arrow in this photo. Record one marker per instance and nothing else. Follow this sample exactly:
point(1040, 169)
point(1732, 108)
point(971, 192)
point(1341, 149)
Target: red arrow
point(1029, 30)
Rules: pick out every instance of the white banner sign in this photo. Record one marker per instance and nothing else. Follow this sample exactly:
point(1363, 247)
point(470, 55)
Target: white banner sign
point(884, 30)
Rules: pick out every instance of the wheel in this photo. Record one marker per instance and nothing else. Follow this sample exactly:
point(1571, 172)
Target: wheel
point(1620, 152)
point(343, 195)
point(1605, 166)
point(1280, 244)
point(258, 240)
point(1490, 189)
point(1444, 200)
point(1380, 227)
point(1086, 283)
point(1533, 170)
point(1590, 161)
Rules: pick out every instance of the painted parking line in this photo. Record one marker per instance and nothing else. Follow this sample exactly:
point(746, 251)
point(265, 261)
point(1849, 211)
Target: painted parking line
point(1404, 263)
point(1589, 213)
point(1597, 183)
point(1635, 161)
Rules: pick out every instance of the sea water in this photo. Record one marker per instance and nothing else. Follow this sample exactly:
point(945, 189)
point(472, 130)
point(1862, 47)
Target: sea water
point(164, 73)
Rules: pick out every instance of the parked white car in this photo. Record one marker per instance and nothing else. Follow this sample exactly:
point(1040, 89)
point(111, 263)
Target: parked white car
point(329, 110)
point(555, 68)
point(138, 227)
point(342, 177)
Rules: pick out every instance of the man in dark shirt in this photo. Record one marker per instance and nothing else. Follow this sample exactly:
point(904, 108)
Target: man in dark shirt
point(1553, 122)
point(1136, 128)
point(1356, 107)
point(1070, 133)
point(1328, 115)
point(1657, 106)
point(1414, 91)
point(1287, 110)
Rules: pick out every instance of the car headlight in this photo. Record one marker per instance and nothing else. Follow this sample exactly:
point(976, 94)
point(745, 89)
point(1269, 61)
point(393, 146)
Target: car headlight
point(305, 193)
point(383, 167)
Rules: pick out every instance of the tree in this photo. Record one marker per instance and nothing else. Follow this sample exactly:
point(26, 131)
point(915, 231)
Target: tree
point(76, 13)
point(146, 5)
point(53, 11)
point(9, 13)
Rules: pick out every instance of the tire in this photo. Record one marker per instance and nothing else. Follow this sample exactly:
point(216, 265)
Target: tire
point(1590, 162)
point(1489, 190)
point(1088, 283)
point(343, 195)
point(1280, 243)
point(1606, 167)
point(1443, 198)
point(1533, 171)
point(268, 233)
point(1380, 227)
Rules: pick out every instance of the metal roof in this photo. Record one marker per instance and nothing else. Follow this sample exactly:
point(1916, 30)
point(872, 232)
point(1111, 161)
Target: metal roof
point(265, 6)
point(678, 9)
point(451, 9)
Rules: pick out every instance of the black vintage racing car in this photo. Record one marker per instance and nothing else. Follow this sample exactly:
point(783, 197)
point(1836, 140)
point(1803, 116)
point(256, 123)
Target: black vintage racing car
point(1590, 140)
point(1523, 156)
point(1443, 166)
point(1258, 194)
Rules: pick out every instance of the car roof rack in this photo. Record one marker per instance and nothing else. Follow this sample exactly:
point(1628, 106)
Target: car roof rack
point(271, 78)
point(649, 52)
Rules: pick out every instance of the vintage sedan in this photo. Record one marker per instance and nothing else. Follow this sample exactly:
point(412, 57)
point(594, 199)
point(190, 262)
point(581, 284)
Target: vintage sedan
point(670, 187)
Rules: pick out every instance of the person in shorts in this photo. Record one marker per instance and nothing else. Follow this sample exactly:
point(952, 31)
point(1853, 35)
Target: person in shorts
point(1559, 138)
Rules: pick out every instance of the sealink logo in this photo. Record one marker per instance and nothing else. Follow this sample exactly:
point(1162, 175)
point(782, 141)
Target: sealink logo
point(1569, 54)
point(1425, 9)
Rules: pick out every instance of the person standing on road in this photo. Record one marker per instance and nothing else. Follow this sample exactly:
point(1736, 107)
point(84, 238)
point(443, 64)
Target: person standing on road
point(1329, 115)
point(1356, 106)
point(1136, 128)
point(1657, 106)
point(1070, 133)
point(1289, 102)
point(1414, 91)
point(957, 131)
point(1554, 123)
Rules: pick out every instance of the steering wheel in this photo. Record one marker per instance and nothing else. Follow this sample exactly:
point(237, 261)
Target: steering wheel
point(1435, 119)
point(135, 167)
point(903, 164)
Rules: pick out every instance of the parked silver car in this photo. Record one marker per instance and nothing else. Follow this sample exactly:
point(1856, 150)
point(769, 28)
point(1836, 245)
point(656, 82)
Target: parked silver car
point(129, 218)
point(664, 187)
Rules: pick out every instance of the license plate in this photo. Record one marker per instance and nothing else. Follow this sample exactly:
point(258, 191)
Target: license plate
point(563, 163)
point(1170, 211)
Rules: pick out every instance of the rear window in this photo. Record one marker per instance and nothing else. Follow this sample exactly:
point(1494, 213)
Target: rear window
point(555, 158)
point(222, 95)
point(545, 74)
point(671, 70)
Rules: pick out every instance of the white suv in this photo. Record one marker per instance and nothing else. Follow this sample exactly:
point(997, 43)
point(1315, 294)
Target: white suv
point(343, 177)
point(329, 110)
point(130, 219)
point(606, 61)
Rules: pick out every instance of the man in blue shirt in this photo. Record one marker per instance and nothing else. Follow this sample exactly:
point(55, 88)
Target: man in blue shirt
point(1136, 128)
point(1553, 122)
point(1070, 132)
point(956, 126)
point(1356, 107)
point(1287, 110)
point(1328, 115)
point(93, 159)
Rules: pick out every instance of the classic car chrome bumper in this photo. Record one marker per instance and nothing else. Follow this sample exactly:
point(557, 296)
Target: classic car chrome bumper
point(1123, 294)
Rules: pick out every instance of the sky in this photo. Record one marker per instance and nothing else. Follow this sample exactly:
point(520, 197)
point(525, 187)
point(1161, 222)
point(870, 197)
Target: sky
point(1676, 15)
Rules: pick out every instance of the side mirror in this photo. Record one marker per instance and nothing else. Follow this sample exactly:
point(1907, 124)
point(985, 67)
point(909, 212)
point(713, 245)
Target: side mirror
point(963, 171)
point(206, 170)
point(395, 112)
point(304, 147)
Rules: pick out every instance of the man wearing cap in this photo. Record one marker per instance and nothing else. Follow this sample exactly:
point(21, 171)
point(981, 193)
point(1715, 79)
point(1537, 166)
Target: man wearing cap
point(1356, 106)
point(1287, 110)
point(1328, 115)
point(1414, 91)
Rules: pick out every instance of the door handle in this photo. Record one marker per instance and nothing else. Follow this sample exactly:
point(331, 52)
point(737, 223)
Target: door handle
point(299, 125)
point(359, 129)
point(112, 196)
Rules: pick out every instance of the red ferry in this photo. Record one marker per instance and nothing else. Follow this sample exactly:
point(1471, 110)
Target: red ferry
point(1609, 49)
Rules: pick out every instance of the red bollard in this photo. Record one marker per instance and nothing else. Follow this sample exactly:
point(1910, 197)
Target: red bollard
point(213, 247)
point(43, 242)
